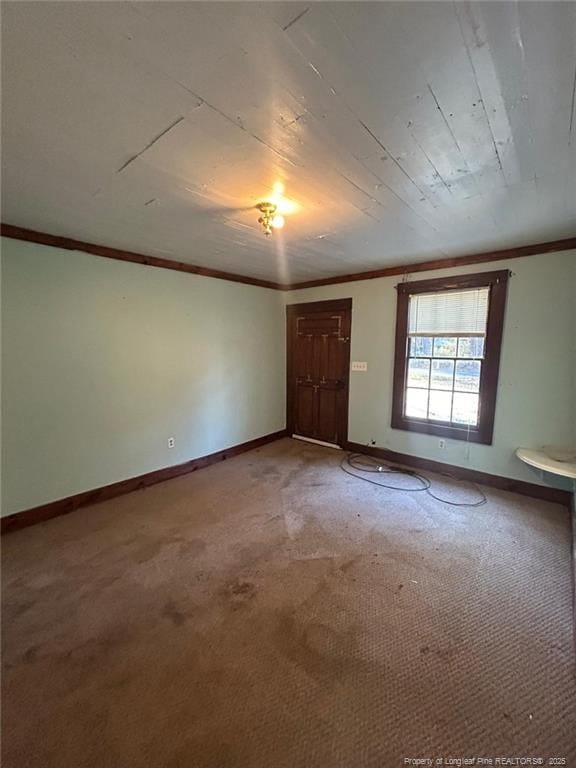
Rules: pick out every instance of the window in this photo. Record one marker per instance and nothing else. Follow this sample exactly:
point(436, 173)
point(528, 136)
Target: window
point(448, 337)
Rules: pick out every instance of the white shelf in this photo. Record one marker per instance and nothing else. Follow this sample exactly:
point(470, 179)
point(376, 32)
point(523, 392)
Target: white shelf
point(542, 460)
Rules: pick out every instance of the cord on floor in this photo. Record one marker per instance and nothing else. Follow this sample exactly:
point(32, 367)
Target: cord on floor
point(369, 464)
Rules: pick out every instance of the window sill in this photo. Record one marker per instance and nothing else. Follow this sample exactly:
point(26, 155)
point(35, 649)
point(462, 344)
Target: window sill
point(448, 431)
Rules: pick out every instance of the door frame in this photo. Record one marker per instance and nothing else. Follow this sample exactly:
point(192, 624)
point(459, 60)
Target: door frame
point(292, 310)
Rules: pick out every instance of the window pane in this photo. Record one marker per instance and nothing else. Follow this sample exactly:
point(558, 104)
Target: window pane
point(465, 409)
point(445, 346)
point(471, 346)
point(440, 406)
point(418, 373)
point(416, 403)
point(467, 375)
point(420, 346)
point(442, 374)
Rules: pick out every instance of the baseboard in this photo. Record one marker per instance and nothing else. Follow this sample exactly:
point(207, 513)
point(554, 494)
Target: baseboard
point(556, 495)
point(63, 506)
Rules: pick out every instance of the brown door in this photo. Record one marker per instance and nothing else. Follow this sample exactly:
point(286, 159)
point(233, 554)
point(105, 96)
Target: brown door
point(318, 345)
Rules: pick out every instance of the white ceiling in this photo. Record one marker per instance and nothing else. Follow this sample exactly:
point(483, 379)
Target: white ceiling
point(404, 131)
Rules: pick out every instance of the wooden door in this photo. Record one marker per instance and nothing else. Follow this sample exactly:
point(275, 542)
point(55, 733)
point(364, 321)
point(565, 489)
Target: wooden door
point(318, 345)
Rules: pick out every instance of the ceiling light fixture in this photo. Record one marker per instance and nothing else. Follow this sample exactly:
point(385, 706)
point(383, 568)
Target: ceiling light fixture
point(270, 220)
point(274, 208)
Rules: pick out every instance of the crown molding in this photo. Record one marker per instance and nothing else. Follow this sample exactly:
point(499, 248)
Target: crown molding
point(68, 243)
point(57, 241)
point(458, 261)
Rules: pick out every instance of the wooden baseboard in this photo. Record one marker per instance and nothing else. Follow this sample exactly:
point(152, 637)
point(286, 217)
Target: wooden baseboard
point(556, 495)
point(64, 506)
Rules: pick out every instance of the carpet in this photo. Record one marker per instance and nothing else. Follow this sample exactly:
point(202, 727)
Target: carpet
point(271, 611)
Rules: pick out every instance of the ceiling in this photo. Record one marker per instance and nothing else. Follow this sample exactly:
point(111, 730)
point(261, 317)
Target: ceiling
point(404, 131)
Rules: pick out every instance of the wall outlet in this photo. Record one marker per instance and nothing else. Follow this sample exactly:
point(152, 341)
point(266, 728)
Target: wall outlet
point(356, 366)
point(171, 442)
point(442, 444)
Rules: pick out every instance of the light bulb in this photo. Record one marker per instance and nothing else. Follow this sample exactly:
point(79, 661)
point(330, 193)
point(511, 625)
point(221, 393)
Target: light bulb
point(277, 222)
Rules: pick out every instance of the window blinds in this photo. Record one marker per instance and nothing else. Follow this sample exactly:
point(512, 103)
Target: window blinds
point(448, 313)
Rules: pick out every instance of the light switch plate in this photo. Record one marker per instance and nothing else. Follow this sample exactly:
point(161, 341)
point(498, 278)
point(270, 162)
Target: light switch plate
point(356, 366)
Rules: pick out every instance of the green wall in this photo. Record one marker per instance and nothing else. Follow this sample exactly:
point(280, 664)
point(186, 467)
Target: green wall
point(536, 402)
point(104, 360)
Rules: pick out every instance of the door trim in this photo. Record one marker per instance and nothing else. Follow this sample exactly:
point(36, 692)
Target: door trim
point(331, 305)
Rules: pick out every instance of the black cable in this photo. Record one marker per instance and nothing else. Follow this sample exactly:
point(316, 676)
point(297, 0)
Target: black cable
point(353, 459)
point(369, 464)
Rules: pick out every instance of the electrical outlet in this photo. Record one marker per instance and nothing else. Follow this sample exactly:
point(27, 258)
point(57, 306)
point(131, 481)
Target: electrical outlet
point(442, 444)
point(171, 442)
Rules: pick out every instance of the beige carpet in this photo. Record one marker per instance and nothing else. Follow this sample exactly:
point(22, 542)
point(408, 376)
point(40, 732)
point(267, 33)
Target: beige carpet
point(273, 612)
